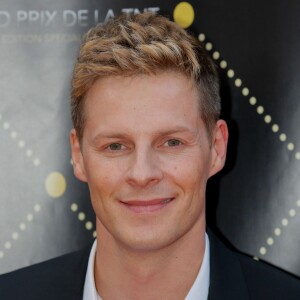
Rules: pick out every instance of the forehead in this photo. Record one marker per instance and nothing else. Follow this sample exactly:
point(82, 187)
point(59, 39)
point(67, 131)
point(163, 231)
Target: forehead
point(142, 100)
point(165, 85)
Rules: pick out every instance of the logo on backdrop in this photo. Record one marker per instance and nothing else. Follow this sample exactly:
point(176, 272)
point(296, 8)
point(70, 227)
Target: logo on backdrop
point(67, 18)
point(43, 22)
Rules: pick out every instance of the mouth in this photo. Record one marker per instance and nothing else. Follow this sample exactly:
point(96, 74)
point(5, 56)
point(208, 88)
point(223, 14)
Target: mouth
point(147, 206)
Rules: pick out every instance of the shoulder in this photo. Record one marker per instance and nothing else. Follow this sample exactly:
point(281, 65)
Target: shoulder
point(58, 278)
point(237, 276)
point(267, 282)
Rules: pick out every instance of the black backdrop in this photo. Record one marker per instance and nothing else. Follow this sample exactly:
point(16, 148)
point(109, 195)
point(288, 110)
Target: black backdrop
point(254, 203)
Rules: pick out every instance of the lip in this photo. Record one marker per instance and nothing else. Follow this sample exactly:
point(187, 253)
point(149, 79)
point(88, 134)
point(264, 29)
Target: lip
point(147, 206)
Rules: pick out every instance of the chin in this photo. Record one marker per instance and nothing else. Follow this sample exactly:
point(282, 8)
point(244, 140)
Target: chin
point(144, 242)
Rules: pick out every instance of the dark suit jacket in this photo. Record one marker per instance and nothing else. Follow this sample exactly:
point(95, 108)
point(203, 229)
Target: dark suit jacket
point(233, 277)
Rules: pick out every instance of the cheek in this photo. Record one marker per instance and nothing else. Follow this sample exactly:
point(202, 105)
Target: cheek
point(103, 178)
point(102, 187)
point(103, 170)
point(190, 174)
point(191, 167)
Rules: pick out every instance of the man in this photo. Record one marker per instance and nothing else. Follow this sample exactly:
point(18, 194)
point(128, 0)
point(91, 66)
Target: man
point(146, 138)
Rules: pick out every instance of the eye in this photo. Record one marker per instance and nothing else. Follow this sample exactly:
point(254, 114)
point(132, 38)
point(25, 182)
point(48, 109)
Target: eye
point(115, 147)
point(172, 143)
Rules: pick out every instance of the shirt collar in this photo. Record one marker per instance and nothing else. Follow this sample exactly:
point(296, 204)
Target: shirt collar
point(89, 290)
point(200, 287)
point(199, 290)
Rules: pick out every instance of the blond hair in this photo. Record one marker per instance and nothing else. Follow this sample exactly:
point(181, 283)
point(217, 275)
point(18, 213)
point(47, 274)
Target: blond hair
point(143, 44)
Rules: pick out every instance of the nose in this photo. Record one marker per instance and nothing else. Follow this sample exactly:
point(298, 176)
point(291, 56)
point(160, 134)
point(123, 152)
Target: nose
point(144, 169)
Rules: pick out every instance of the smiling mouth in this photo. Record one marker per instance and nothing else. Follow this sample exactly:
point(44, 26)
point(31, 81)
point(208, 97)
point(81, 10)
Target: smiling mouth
point(147, 206)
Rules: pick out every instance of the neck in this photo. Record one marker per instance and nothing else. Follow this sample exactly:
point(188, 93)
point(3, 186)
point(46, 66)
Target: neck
point(167, 273)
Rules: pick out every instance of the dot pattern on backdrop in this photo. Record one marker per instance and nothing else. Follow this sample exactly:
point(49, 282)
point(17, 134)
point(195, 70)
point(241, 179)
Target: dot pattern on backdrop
point(282, 136)
point(55, 186)
point(36, 163)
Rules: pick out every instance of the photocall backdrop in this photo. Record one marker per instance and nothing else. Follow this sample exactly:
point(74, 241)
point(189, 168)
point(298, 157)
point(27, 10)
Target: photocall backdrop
point(254, 203)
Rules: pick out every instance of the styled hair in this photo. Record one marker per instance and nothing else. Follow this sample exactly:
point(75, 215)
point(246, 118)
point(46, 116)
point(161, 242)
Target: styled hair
point(143, 44)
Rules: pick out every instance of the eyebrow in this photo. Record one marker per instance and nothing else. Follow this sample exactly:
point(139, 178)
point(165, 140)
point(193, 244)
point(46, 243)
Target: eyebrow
point(112, 135)
point(177, 129)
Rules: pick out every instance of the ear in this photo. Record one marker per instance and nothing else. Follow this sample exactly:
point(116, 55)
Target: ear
point(77, 158)
point(219, 147)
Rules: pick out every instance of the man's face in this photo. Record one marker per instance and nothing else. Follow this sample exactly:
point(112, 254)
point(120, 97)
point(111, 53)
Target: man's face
point(146, 157)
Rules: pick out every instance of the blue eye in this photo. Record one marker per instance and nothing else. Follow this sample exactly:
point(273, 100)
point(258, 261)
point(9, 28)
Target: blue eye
point(115, 147)
point(173, 143)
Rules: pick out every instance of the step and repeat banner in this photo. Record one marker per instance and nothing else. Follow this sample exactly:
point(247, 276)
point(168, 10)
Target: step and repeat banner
point(254, 204)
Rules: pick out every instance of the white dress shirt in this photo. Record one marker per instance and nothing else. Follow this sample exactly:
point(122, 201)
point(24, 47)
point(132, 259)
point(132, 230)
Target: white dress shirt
point(198, 291)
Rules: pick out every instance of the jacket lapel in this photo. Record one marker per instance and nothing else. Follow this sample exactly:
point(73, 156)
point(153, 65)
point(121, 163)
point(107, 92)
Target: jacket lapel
point(227, 280)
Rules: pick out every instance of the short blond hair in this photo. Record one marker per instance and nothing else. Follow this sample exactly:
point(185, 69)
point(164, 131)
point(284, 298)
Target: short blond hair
point(143, 44)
